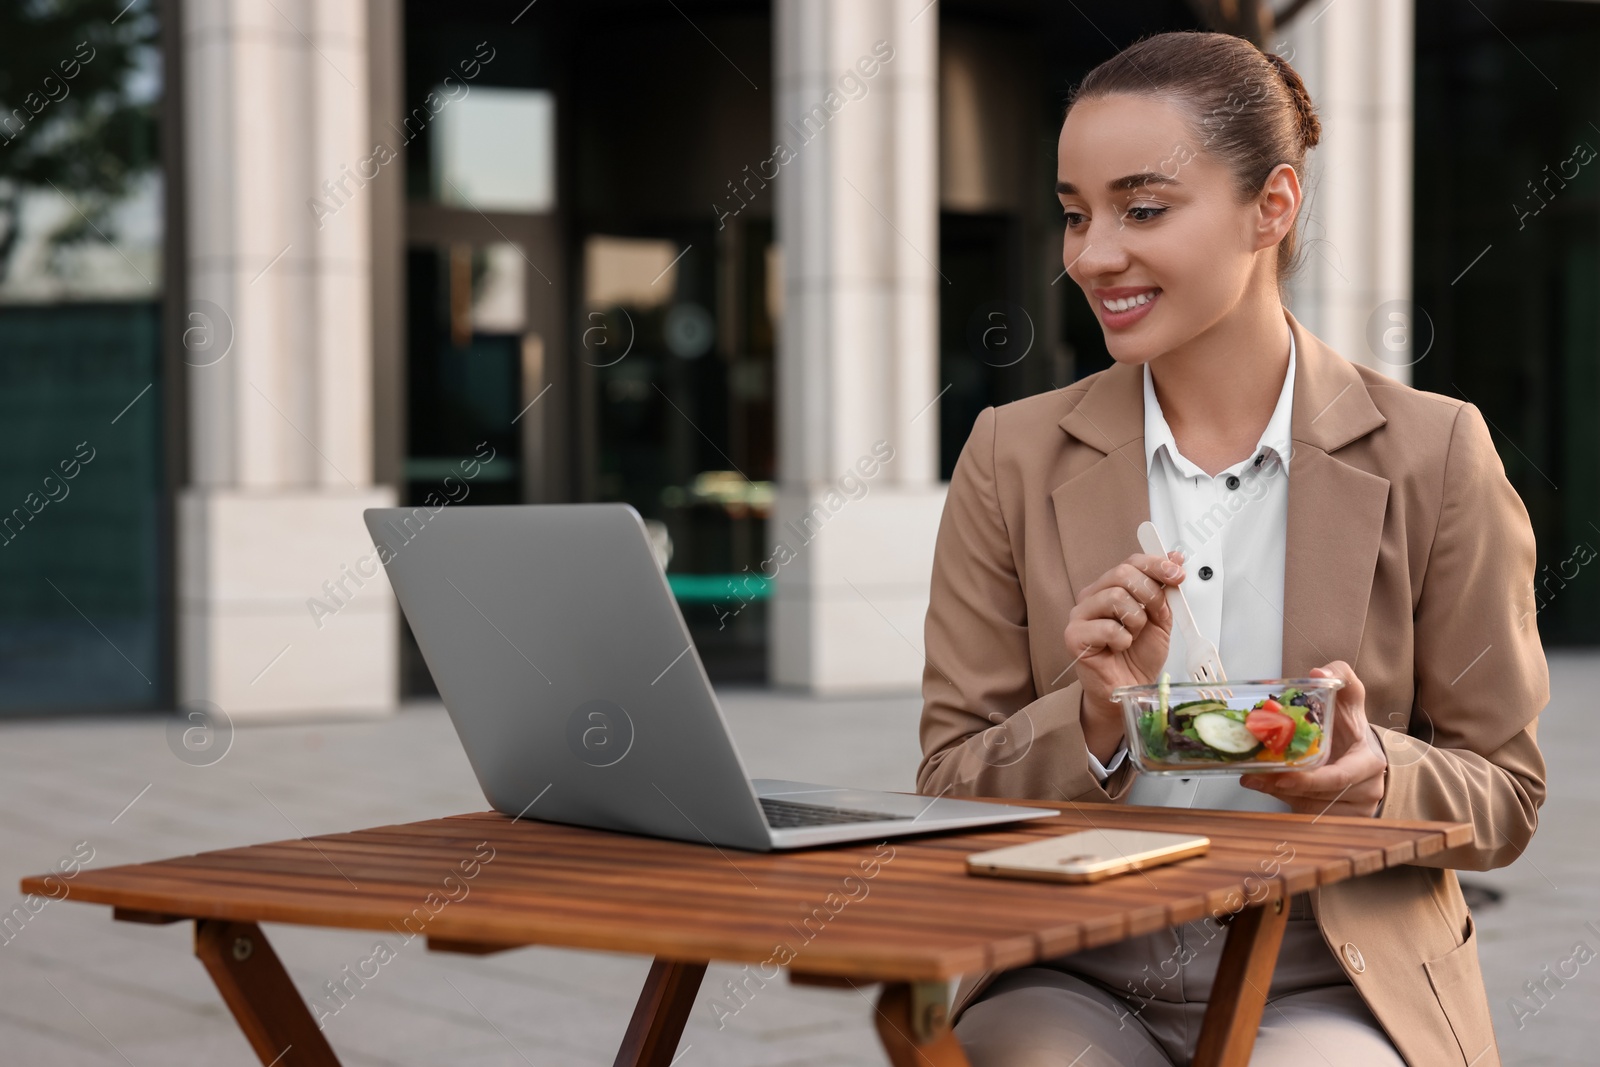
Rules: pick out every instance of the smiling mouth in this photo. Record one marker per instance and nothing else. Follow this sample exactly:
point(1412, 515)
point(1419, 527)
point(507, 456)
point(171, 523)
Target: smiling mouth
point(1128, 303)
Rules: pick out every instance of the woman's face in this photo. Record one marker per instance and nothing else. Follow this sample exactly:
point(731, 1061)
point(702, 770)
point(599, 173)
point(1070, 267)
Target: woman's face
point(1152, 225)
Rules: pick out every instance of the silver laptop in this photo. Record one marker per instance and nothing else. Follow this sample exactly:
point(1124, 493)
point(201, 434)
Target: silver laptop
point(579, 697)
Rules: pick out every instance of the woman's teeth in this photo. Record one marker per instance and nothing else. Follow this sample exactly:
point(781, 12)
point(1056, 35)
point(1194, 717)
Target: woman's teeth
point(1129, 302)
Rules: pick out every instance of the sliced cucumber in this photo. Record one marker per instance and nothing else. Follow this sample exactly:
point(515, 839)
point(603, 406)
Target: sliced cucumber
point(1224, 734)
point(1187, 713)
point(1200, 707)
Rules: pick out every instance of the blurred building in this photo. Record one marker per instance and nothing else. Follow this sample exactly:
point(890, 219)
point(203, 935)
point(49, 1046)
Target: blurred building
point(752, 266)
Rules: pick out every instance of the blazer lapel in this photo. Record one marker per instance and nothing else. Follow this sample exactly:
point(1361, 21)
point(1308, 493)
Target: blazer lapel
point(1098, 511)
point(1336, 510)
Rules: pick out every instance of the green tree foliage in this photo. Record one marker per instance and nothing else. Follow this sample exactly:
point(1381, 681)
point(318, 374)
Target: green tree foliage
point(72, 116)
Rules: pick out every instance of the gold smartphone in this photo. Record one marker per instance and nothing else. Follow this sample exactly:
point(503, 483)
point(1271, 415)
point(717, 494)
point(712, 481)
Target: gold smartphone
point(1086, 856)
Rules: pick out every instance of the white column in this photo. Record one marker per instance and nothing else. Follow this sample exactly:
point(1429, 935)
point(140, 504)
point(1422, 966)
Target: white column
point(1357, 58)
point(857, 225)
point(280, 610)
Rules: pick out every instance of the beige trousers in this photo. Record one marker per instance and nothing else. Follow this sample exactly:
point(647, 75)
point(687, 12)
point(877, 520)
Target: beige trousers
point(1140, 1003)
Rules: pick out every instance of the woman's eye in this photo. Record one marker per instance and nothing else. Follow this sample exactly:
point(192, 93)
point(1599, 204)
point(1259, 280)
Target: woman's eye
point(1150, 213)
point(1073, 218)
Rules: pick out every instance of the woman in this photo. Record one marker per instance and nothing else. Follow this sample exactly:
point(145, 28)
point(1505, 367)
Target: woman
point(1323, 520)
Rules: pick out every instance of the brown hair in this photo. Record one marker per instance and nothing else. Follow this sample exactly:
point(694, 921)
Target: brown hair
point(1250, 107)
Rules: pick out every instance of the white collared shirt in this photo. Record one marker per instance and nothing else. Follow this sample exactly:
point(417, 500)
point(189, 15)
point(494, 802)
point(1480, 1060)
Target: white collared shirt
point(1234, 542)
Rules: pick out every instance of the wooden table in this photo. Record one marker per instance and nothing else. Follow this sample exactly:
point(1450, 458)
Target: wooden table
point(903, 913)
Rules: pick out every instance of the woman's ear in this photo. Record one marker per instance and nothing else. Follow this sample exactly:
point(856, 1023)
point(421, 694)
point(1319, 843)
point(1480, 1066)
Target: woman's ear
point(1279, 203)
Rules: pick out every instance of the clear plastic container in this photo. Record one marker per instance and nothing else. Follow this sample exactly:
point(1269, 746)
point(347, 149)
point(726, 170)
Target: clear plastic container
point(1191, 728)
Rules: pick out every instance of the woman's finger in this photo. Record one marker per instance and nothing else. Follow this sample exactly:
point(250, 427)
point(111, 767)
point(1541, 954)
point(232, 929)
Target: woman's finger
point(1142, 574)
point(1130, 611)
point(1324, 783)
point(1087, 636)
point(1116, 603)
point(1160, 611)
point(1360, 793)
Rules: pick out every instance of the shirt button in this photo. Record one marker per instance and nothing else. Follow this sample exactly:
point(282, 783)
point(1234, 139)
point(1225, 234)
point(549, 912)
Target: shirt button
point(1352, 956)
point(1233, 481)
point(1205, 574)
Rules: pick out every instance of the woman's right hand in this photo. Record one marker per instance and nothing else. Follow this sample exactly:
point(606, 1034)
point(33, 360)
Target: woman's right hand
point(1118, 634)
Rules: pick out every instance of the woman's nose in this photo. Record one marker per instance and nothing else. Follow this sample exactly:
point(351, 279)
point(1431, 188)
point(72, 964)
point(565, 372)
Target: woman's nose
point(1097, 257)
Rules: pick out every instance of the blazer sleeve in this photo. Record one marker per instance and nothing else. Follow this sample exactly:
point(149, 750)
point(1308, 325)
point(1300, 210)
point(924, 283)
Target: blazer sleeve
point(1469, 753)
point(985, 729)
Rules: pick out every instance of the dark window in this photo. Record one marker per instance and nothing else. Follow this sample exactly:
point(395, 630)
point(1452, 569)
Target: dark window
point(83, 539)
point(1507, 233)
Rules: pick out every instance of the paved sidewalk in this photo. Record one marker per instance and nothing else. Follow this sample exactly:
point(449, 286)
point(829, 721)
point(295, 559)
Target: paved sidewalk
point(78, 989)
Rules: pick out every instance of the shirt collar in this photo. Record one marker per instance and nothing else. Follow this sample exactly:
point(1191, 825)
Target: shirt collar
point(1274, 439)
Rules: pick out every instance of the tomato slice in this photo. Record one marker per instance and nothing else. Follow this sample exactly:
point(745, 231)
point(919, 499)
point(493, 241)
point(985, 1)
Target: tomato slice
point(1272, 728)
point(1270, 705)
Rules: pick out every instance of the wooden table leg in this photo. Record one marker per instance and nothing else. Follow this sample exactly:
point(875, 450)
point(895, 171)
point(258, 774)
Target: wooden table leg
point(913, 1024)
point(258, 992)
point(1239, 991)
point(659, 1016)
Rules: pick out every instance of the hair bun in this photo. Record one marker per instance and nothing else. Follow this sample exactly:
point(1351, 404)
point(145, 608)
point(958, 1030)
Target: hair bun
point(1310, 125)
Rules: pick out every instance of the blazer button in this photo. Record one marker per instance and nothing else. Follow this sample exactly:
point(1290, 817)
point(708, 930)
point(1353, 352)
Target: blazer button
point(1205, 574)
point(1352, 956)
point(1233, 481)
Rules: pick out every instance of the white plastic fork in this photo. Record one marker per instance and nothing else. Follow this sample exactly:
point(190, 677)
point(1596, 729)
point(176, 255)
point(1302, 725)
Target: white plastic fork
point(1200, 655)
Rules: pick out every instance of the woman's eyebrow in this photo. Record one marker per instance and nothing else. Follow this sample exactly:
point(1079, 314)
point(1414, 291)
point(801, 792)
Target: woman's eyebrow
point(1117, 185)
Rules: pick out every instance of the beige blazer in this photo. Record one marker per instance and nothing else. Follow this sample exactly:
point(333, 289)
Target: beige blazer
point(1409, 555)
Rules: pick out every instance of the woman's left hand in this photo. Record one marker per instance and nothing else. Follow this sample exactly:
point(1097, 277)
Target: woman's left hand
point(1351, 782)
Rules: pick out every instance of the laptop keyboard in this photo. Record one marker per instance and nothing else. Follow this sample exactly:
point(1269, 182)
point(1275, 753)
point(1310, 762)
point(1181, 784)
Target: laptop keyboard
point(788, 814)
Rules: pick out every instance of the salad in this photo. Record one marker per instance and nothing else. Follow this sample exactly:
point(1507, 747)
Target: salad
point(1281, 727)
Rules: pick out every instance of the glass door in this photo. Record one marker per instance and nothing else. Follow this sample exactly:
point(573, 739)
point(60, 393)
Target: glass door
point(485, 271)
point(675, 352)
